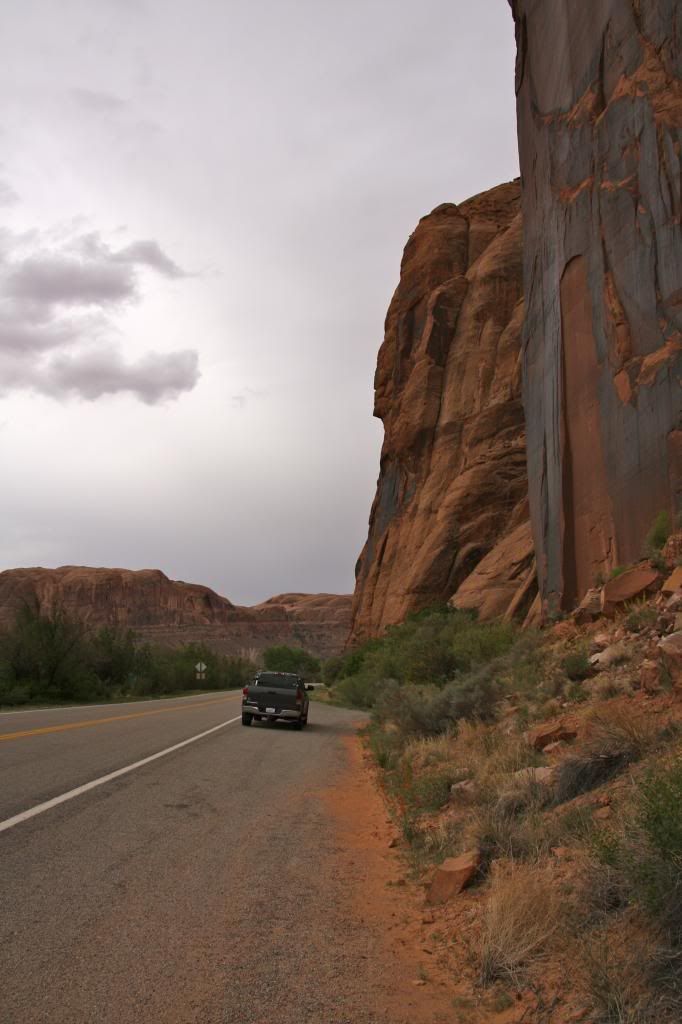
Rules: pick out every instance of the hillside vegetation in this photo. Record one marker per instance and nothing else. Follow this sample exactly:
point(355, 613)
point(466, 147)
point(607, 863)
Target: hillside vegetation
point(535, 780)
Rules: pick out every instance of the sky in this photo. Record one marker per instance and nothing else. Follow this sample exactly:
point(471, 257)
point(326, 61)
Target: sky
point(203, 206)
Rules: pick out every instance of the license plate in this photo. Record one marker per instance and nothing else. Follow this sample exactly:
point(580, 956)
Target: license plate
point(270, 711)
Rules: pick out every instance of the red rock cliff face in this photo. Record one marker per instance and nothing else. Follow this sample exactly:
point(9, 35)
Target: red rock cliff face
point(599, 122)
point(172, 612)
point(450, 517)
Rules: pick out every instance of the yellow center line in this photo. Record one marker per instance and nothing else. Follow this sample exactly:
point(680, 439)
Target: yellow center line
point(24, 733)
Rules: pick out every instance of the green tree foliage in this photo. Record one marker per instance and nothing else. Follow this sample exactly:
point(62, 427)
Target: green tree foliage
point(290, 659)
point(52, 658)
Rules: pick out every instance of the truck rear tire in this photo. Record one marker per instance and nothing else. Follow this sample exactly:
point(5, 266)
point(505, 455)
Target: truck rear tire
point(298, 725)
point(247, 719)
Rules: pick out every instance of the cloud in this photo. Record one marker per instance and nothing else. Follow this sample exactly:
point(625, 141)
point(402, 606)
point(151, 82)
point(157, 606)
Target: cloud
point(8, 197)
point(240, 400)
point(98, 102)
point(58, 296)
point(152, 378)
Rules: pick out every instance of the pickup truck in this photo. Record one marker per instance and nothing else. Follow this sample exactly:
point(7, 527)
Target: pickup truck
point(275, 696)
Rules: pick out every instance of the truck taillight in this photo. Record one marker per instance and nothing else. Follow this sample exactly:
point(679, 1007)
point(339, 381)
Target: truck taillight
point(245, 691)
point(299, 697)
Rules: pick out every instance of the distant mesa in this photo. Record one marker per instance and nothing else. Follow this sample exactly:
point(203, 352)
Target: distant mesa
point(171, 612)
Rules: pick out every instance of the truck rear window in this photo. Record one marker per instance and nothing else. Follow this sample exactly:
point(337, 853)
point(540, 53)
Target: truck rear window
point(281, 682)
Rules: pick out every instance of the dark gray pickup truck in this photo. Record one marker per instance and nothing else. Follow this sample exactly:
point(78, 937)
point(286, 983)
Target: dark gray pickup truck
point(275, 696)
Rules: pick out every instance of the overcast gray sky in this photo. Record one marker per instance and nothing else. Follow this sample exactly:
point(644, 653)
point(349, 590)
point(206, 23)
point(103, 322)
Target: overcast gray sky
point(204, 205)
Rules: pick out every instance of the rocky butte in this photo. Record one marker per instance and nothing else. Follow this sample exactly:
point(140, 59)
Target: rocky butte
point(599, 101)
point(450, 517)
point(172, 612)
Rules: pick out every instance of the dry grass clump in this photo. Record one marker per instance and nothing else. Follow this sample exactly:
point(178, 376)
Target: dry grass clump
point(522, 915)
point(626, 976)
point(617, 735)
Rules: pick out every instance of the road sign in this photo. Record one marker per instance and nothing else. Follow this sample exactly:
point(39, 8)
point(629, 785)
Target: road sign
point(200, 667)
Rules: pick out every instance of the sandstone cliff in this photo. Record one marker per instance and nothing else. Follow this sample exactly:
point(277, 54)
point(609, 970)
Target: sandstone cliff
point(449, 516)
point(172, 612)
point(599, 102)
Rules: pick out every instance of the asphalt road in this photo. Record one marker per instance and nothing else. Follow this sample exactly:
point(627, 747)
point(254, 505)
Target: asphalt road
point(201, 886)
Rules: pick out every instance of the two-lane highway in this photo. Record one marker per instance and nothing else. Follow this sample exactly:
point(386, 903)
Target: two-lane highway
point(48, 753)
point(201, 885)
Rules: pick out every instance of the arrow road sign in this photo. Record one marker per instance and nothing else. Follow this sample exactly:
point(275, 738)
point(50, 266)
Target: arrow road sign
point(200, 667)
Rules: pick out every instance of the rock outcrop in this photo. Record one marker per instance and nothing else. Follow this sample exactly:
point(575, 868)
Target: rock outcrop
point(450, 515)
point(172, 612)
point(599, 101)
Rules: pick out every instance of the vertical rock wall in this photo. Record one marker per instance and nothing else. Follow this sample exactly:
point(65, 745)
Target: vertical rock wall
point(599, 102)
point(450, 514)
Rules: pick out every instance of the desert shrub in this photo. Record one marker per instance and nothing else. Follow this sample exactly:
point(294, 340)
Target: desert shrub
point(430, 790)
point(617, 736)
point(576, 665)
point(523, 912)
point(360, 690)
point(640, 616)
point(659, 532)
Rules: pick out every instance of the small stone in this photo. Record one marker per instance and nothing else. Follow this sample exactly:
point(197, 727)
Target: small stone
point(649, 676)
point(560, 852)
point(554, 748)
point(602, 813)
point(543, 776)
point(670, 648)
point(464, 791)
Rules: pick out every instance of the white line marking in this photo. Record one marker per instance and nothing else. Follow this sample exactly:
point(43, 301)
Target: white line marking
point(56, 800)
point(115, 704)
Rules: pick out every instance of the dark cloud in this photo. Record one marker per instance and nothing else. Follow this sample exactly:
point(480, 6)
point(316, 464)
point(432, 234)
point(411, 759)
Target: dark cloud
point(62, 279)
point(57, 298)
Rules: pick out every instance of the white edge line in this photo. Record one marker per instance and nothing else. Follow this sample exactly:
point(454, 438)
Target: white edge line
point(56, 800)
point(115, 704)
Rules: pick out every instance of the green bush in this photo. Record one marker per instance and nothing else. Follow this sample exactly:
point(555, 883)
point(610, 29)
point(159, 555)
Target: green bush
point(290, 659)
point(659, 532)
point(576, 665)
point(50, 658)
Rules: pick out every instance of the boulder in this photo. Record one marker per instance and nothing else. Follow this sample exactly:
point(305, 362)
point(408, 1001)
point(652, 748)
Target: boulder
point(453, 875)
point(670, 648)
point(612, 655)
point(543, 735)
point(589, 608)
point(673, 582)
point(630, 584)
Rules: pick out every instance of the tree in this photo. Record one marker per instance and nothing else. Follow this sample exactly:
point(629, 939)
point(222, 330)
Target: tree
point(290, 659)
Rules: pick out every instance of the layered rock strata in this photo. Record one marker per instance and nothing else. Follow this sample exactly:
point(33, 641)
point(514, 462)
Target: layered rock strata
point(450, 515)
point(599, 99)
point(172, 612)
